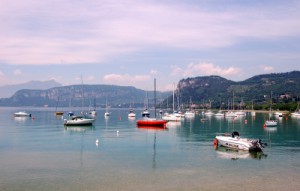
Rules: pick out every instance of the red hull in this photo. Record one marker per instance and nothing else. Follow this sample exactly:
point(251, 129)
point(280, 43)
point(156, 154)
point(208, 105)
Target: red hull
point(152, 123)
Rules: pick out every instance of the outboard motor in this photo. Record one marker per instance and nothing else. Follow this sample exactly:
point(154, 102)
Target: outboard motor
point(261, 143)
point(235, 134)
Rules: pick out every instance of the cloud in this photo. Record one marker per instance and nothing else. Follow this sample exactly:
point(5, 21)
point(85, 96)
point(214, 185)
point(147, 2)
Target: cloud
point(200, 69)
point(176, 70)
point(126, 79)
point(153, 72)
point(267, 68)
point(17, 72)
point(72, 32)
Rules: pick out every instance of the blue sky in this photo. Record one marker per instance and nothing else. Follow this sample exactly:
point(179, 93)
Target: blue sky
point(133, 42)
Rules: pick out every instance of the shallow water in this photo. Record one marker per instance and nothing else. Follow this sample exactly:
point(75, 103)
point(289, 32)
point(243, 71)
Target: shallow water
point(41, 154)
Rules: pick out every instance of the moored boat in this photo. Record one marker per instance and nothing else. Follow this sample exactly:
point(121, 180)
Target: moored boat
point(234, 141)
point(22, 114)
point(152, 122)
point(78, 121)
point(269, 123)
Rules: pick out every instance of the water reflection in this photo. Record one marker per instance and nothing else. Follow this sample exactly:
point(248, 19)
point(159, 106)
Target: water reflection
point(227, 153)
point(155, 130)
point(79, 129)
point(173, 124)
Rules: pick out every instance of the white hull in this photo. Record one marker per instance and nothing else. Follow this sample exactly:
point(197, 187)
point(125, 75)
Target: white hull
point(235, 142)
point(172, 117)
point(209, 113)
point(296, 114)
point(79, 121)
point(22, 114)
point(219, 114)
point(131, 115)
point(278, 114)
point(271, 123)
point(230, 115)
point(189, 114)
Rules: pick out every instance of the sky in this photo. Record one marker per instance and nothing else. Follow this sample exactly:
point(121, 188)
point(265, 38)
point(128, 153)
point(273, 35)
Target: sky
point(131, 42)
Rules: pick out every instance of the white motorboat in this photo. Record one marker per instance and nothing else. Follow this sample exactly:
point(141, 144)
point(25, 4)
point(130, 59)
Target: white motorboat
point(209, 113)
point(296, 113)
point(269, 123)
point(189, 114)
point(278, 114)
point(22, 114)
point(131, 113)
point(234, 141)
point(106, 114)
point(240, 113)
point(78, 121)
point(172, 117)
point(219, 114)
point(230, 114)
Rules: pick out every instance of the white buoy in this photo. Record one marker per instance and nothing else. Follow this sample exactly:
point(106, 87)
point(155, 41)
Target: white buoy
point(97, 142)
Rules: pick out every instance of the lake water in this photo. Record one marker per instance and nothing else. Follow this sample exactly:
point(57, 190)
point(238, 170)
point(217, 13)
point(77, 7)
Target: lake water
point(41, 154)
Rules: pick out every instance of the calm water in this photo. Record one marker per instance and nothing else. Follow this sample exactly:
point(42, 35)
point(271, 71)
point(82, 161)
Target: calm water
point(41, 154)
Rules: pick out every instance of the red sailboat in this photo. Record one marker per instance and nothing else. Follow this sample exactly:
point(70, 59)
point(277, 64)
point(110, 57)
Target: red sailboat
point(146, 121)
point(151, 122)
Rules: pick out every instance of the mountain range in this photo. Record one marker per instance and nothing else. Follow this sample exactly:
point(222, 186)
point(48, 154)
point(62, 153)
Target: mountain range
point(281, 87)
point(9, 90)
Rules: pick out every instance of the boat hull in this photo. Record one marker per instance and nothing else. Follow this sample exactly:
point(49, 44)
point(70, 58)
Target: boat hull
point(270, 123)
point(79, 122)
point(238, 143)
point(151, 123)
point(22, 114)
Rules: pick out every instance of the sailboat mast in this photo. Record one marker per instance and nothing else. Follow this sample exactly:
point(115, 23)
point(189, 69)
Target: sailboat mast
point(173, 97)
point(155, 97)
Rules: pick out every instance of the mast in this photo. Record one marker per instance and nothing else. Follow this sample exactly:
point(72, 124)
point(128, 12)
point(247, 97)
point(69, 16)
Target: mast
point(173, 97)
point(155, 97)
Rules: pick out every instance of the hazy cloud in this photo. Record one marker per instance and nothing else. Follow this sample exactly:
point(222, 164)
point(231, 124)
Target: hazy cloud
point(267, 68)
point(199, 69)
point(126, 79)
point(72, 32)
point(17, 72)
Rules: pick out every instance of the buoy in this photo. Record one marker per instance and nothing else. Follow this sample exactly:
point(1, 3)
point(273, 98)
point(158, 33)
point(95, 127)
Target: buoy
point(216, 142)
point(97, 141)
point(264, 126)
point(246, 121)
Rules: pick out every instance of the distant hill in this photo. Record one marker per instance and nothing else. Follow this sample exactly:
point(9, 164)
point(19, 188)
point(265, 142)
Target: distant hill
point(83, 95)
point(9, 90)
point(284, 87)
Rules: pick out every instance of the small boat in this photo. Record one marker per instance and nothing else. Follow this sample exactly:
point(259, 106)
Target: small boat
point(240, 113)
point(219, 114)
point(278, 114)
point(59, 113)
point(151, 122)
point(230, 114)
point(209, 113)
point(131, 113)
point(172, 117)
point(296, 113)
point(146, 113)
point(234, 141)
point(78, 121)
point(93, 113)
point(270, 123)
point(22, 114)
point(189, 114)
